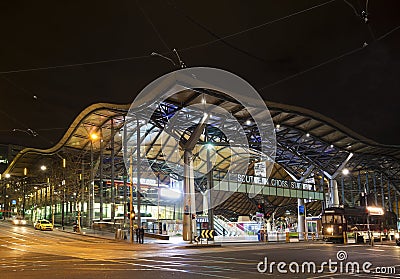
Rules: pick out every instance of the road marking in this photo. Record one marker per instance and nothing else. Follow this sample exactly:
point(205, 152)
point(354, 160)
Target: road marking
point(376, 250)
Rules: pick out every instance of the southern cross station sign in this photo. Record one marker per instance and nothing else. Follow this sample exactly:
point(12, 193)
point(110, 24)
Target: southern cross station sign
point(267, 186)
point(249, 179)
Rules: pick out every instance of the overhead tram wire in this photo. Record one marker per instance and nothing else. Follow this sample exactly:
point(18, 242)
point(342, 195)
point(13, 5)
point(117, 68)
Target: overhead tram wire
point(202, 45)
point(181, 63)
point(153, 26)
point(328, 61)
point(363, 15)
point(312, 68)
point(256, 27)
point(167, 53)
point(75, 65)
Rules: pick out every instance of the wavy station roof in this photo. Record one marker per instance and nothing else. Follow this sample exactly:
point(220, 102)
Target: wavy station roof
point(308, 145)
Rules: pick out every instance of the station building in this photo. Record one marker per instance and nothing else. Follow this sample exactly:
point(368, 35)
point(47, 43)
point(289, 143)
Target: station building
point(90, 172)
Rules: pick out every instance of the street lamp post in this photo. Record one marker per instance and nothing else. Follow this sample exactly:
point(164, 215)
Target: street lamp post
point(112, 171)
point(93, 137)
point(51, 200)
point(101, 177)
point(23, 192)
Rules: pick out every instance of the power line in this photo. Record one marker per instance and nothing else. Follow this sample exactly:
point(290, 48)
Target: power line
point(388, 33)
point(257, 26)
point(153, 26)
point(312, 68)
point(75, 65)
point(167, 53)
point(328, 61)
point(214, 41)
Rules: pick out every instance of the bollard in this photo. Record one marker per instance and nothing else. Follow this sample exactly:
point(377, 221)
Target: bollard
point(287, 237)
point(344, 238)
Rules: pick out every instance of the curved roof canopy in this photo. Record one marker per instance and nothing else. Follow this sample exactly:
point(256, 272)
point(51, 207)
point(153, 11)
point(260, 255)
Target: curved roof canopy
point(308, 143)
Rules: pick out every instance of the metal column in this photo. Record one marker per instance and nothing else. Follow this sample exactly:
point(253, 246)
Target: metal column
point(189, 202)
point(375, 193)
point(343, 198)
point(334, 193)
point(382, 193)
point(138, 172)
point(112, 172)
point(101, 176)
point(389, 197)
point(91, 187)
point(301, 226)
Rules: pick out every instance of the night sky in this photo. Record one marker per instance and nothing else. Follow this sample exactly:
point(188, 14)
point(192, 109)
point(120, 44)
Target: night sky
point(58, 57)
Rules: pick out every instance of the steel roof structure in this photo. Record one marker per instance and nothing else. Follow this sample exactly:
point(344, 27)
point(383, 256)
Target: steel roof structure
point(308, 145)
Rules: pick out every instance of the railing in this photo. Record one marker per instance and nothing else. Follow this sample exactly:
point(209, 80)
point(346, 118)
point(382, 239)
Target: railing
point(230, 228)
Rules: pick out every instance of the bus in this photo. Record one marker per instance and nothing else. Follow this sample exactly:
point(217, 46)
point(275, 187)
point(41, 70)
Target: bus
point(364, 222)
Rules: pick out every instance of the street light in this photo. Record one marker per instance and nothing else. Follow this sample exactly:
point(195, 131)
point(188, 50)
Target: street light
point(5, 196)
point(43, 168)
point(92, 137)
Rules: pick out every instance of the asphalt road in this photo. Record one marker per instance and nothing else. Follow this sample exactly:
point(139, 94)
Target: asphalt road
point(26, 253)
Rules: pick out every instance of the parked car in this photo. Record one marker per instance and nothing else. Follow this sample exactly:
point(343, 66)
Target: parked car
point(397, 236)
point(18, 220)
point(43, 225)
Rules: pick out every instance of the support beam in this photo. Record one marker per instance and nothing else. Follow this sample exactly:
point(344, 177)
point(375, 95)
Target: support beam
point(189, 197)
point(333, 193)
point(101, 190)
point(340, 168)
point(301, 224)
point(189, 202)
point(112, 171)
point(138, 151)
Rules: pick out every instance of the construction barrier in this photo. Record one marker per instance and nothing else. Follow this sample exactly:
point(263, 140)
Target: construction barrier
point(276, 237)
point(292, 237)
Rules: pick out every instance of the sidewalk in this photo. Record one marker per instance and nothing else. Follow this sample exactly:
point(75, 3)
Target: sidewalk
point(176, 240)
point(173, 240)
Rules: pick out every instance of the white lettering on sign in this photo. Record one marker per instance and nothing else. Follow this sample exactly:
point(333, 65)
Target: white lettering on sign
point(249, 179)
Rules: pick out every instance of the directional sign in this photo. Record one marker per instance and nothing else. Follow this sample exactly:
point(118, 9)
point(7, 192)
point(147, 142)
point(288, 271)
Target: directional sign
point(197, 238)
point(301, 209)
point(207, 234)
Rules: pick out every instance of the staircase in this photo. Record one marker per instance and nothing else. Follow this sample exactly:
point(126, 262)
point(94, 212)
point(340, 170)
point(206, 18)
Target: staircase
point(224, 227)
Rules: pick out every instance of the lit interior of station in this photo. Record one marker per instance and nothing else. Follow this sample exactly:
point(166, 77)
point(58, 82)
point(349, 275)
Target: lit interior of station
point(306, 174)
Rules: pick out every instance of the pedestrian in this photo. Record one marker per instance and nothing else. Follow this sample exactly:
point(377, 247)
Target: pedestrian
point(137, 235)
point(141, 235)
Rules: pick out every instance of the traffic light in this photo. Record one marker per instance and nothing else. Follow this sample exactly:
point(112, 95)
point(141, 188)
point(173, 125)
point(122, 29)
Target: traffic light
point(260, 207)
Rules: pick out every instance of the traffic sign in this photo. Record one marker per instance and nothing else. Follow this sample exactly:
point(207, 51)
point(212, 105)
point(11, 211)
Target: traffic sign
point(197, 238)
point(207, 234)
